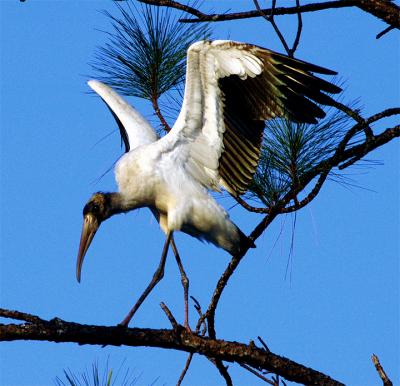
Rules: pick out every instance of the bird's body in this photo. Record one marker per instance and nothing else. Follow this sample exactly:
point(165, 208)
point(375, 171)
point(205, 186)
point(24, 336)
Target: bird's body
point(231, 89)
point(154, 176)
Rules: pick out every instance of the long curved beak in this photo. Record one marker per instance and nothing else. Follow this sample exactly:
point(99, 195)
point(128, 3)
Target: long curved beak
point(89, 229)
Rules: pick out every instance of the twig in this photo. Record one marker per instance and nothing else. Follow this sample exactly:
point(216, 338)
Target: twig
point(235, 261)
point(314, 192)
point(263, 343)
point(299, 29)
point(250, 208)
point(201, 320)
point(176, 5)
point(385, 379)
point(156, 108)
point(385, 31)
point(185, 369)
point(170, 317)
point(154, 97)
point(383, 114)
point(257, 374)
point(203, 332)
point(357, 117)
point(17, 315)
point(223, 370)
point(270, 18)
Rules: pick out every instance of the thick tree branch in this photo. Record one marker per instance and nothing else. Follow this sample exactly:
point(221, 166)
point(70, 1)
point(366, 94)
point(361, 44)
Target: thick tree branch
point(57, 330)
point(382, 9)
point(385, 10)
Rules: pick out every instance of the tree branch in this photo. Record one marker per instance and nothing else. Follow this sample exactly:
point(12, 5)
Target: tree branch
point(385, 379)
point(340, 159)
point(156, 108)
point(385, 10)
point(382, 9)
point(57, 330)
point(341, 155)
point(176, 5)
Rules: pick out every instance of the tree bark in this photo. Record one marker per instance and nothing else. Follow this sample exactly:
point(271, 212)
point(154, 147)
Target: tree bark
point(58, 330)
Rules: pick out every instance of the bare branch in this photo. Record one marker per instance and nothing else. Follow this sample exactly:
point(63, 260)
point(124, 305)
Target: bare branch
point(223, 370)
point(57, 330)
point(185, 369)
point(169, 315)
point(384, 32)
point(299, 29)
point(270, 18)
point(176, 5)
point(385, 379)
point(249, 207)
point(263, 343)
point(258, 375)
point(278, 11)
point(17, 315)
point(385, 10)
point(314, 192)
point(202, 333)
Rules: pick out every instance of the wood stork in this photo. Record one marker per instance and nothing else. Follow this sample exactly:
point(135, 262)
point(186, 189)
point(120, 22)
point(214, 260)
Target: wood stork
point(231, 89)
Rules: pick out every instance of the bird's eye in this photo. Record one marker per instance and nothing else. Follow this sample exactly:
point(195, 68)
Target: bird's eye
point(96, 208)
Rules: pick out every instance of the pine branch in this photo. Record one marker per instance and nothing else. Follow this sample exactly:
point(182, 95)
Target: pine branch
point(145, 54)
point(58, 330)
point(268, 185)
point(341, 156)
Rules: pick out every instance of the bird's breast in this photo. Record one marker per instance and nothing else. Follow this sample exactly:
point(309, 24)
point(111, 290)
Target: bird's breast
point(136, 178)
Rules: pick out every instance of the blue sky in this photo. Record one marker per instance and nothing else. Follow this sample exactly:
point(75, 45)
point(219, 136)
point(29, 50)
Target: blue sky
point(342, 302)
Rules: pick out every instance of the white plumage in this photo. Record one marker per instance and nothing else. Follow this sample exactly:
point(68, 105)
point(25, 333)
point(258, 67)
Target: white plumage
point(230, 90)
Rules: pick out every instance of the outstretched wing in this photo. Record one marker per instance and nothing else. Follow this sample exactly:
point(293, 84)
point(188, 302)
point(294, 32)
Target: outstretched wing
point(231, 90)
point(135, 130)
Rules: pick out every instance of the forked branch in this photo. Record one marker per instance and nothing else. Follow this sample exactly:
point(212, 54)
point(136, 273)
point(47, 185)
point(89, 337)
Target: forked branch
point(342, 157)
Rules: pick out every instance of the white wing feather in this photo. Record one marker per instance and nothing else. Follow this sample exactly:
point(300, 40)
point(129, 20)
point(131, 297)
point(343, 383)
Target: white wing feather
point(138, 129)
point(200, 124)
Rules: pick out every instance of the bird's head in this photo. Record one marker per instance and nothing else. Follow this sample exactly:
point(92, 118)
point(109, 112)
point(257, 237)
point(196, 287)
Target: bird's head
point(97, 209)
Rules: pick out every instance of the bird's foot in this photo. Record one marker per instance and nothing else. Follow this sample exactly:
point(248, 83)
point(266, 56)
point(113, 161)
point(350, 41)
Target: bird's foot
point(125, 322)
point(187, 327)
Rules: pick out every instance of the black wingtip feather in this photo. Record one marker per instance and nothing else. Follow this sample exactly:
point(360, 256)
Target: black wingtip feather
point(301, 64)
point(122, 131)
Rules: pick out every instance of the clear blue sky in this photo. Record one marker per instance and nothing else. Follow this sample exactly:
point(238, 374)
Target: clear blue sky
point(342, 302)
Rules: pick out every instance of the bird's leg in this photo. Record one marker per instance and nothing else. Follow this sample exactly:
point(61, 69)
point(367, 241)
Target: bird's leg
point(185, 284)
point(158, 275)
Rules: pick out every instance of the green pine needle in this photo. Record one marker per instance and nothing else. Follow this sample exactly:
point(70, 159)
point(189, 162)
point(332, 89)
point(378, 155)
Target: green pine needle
point(146, 51)
point(290, 150)
point(97, 378)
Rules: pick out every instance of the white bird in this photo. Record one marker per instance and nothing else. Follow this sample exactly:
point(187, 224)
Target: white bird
point(231, 89)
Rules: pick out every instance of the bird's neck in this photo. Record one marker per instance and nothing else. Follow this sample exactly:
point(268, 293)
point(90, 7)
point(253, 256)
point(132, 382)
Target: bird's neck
point(117, 203)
